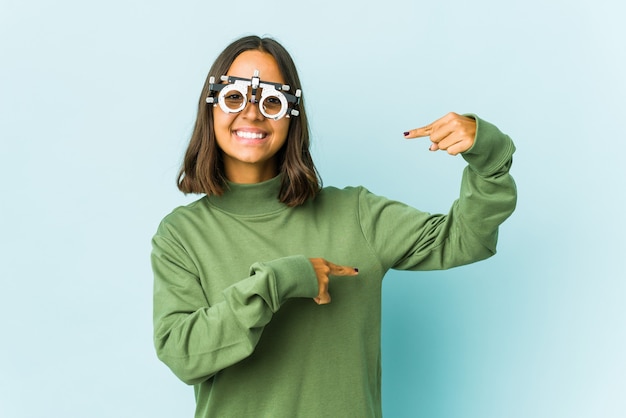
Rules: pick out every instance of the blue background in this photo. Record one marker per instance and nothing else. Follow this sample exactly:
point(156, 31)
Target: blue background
point(97, 101)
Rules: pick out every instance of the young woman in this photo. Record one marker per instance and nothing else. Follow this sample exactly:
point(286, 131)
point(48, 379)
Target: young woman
point(240, 274)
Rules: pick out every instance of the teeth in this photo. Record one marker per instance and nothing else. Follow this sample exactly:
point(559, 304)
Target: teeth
point(250, 135)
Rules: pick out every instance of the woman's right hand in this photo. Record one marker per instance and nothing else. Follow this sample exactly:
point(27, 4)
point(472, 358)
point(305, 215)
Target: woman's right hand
point(324, 269)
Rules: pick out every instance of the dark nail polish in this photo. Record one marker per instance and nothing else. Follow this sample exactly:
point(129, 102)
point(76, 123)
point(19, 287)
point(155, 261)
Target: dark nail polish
point(406, 133)
point(356, 269)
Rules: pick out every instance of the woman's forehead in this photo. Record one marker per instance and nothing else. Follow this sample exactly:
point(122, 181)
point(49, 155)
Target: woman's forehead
point(248, 61)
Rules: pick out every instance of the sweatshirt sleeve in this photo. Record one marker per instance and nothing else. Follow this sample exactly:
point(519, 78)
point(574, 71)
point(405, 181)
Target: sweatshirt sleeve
point(405, 238)
point(196, 340)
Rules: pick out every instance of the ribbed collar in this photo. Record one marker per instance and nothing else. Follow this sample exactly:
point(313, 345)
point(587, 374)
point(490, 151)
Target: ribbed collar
point(250, 199)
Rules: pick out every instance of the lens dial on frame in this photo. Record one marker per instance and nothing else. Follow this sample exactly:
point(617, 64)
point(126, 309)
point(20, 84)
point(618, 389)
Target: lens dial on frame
point(233, 98)
point(273, 104)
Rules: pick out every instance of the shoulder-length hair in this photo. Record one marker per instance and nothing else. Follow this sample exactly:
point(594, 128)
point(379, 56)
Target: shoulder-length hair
point(202, 170)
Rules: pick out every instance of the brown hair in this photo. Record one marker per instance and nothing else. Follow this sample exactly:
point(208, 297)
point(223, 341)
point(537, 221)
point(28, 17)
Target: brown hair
point(202, 170)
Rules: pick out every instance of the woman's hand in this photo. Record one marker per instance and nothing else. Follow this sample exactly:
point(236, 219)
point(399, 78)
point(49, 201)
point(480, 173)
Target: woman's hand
point(324, 269)
point(453, 133)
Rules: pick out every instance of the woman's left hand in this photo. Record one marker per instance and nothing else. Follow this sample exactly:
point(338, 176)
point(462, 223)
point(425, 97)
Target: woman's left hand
point(453, 133)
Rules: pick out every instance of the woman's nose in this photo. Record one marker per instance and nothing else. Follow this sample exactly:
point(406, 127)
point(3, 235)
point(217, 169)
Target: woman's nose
point(251, 110)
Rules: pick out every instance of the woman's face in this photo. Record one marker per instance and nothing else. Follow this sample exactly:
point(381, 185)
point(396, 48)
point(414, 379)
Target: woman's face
point(248, 140)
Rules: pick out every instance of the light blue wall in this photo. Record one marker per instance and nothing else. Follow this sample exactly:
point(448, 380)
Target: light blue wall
point(97, 100)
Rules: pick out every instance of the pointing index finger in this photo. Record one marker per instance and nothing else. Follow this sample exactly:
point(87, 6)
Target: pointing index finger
point(336, 270)
point(419, 132)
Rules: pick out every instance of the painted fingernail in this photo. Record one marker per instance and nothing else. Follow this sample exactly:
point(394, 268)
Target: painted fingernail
point(406, 133)
point(356, 269)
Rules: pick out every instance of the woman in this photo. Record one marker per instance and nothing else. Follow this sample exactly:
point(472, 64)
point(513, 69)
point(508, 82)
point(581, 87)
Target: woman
point(235, 271)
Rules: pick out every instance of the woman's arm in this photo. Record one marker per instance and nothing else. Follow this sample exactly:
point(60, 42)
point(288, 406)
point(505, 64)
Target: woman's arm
point(406, 238)
point(195, 339)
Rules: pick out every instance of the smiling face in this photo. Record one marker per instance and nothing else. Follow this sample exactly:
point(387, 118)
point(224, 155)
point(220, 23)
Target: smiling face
point(249, 141)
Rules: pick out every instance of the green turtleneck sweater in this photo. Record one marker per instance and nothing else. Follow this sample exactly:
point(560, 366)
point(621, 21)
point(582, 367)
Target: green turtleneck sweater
point(233, 289)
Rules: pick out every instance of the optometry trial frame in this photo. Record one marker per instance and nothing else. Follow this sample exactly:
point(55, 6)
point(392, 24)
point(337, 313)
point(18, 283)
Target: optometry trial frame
point(232, 96)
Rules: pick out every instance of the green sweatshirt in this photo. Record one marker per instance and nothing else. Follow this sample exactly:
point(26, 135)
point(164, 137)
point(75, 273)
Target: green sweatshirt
point(233, 287)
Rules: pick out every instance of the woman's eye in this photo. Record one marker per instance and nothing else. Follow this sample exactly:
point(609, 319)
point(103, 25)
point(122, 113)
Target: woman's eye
point(234, 96)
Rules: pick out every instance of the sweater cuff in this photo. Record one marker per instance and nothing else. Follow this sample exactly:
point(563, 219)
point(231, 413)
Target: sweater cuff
point(491, 149)
point(293, 276)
